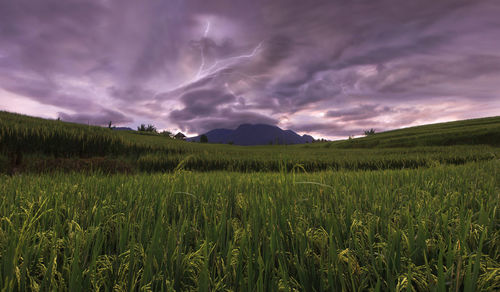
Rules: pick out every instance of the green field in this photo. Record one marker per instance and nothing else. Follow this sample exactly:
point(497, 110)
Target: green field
point(87, 208)
point(45, 145)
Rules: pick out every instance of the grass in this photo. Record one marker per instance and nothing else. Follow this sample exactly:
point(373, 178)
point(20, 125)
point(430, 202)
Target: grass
point(93, 209)
point(393, 230)
point(21, 134)
point(269, 159)
point(484, 131)
point(30, 144)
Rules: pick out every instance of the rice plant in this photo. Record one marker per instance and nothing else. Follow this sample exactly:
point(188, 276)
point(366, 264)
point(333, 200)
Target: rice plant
point(428, 229)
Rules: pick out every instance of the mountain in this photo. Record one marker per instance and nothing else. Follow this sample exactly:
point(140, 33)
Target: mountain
point(122, 129)
point(254, 134)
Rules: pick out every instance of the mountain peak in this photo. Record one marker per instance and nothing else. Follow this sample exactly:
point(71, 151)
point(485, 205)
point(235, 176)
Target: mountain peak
point(254, 134)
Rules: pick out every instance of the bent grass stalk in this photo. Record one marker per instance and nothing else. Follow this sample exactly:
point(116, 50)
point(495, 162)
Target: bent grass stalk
point(420, 230)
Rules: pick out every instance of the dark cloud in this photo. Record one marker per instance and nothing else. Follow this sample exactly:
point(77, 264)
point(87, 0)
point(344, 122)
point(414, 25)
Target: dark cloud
point(201, 103)
point(443, 74)
point(50, 36)
point(361, 112)
point(133, 93)
point(332, 67)
point(209, 109)
point(227, 118)
point(46, 91)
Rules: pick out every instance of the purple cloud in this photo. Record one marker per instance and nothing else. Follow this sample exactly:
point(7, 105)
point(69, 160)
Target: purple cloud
point(333, 68)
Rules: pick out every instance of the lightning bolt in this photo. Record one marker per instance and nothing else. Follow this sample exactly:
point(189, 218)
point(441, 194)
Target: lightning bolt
point(218, 66)
point(202, 50)
point(225, 63)
point(207, 29)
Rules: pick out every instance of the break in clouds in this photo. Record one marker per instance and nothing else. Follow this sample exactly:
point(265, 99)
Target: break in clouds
point(329, 68)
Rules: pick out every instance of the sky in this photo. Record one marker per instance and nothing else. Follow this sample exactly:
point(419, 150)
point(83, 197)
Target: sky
point(327, 68)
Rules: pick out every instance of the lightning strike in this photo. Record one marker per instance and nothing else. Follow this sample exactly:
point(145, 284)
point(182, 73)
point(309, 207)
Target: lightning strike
point(207, 29)
point(219, 65)
point(202, 50)
point(225, 63)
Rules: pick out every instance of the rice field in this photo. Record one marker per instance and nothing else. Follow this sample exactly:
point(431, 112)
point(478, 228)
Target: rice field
point(37, 145)
point(86, 208)
point(426, 229)
point(271, 159)
point(21, 135)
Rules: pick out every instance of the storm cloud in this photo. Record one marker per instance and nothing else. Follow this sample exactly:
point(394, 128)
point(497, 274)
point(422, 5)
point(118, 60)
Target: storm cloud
point(330, 68)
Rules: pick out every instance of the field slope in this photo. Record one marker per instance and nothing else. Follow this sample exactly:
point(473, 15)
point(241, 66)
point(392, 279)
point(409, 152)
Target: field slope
point(35, 145)
point(485, 131)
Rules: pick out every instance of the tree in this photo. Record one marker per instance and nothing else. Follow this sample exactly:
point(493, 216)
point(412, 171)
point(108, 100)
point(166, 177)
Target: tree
point(149, 128)
point(203, 139)
point(166, 133)
point(370, 132)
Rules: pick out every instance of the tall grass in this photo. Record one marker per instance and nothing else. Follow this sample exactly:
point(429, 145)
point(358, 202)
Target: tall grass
point(434, 229)
point(484, 131)
point(29, 143)
point(269, 159)
point(21, 135)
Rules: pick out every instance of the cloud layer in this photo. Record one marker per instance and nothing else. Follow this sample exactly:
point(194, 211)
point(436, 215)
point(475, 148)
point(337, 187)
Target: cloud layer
point(331, 69)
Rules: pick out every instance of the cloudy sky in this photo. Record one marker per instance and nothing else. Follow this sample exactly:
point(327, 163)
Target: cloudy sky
point(328, 68)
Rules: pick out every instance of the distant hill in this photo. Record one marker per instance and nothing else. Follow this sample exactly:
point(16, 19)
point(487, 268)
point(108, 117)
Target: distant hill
point(122, 129)
point(482, 131)
point(254, 134)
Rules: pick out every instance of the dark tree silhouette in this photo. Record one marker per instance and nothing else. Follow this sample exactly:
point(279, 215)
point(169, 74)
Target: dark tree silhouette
point(370, 132)
point(203, 139)
point(148, 128)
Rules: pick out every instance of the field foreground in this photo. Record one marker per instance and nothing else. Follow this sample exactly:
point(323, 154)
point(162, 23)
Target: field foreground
point(427, 229)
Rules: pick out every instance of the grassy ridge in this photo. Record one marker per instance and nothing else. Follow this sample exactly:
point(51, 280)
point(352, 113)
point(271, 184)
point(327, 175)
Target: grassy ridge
point(24, 134)
point(320, 159)
point(34, 145)
point(266, 159)
point(432, 229)
point(485, 131)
